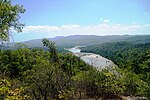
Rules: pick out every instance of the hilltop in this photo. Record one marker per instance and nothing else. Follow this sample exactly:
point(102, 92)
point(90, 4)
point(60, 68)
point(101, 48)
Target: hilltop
point(87, 40)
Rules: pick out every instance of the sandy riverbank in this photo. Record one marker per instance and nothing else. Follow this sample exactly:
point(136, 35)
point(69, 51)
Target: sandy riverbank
point(95, 60)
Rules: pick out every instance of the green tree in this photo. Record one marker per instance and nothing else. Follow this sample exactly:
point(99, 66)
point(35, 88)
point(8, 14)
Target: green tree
point(11, 90)
point(52, 49)
point(47, 81)
point(9, 18)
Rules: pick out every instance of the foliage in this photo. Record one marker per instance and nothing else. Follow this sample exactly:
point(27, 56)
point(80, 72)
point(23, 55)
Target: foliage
point(9, 90)
point(9, 18)
point(133, 58)
point(124, 54)
point(37, 74)
point(36, 77)
point(51, 48)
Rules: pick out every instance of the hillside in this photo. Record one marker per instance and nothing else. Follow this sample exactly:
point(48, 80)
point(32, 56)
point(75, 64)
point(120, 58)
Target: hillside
point(88, 40)
point(127, 55)
point(34, 74)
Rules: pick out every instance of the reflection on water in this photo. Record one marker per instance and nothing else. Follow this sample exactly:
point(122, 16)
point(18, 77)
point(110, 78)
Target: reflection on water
point(75, 49)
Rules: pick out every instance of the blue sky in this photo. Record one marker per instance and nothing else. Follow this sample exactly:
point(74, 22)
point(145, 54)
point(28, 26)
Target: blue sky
point(50, 18)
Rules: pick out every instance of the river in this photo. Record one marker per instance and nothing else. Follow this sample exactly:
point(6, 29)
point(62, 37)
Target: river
point(92, 59)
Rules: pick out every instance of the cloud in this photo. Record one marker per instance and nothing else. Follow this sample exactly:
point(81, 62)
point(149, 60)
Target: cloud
point(106, 20)
point(70, 26)
point(101, 29)
point(39, 28)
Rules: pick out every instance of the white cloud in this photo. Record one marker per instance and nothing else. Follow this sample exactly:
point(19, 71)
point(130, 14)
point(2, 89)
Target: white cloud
point(101, 29)
point(106, 20)
point(39, 28)
point(70, 26)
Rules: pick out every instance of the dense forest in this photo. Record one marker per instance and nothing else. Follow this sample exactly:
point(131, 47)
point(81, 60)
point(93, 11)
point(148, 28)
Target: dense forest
point(45, 74)
point(134, 57)
point(35, 74)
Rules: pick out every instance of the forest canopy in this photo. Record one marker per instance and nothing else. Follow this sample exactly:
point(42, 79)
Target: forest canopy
point(37, 74)
point(45, 74)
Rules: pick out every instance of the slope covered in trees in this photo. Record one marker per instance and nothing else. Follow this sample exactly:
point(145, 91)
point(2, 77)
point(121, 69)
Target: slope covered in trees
point(84, 40)
point(47, 74)
point(127, 55)
point(87, 40)
point(124, 54)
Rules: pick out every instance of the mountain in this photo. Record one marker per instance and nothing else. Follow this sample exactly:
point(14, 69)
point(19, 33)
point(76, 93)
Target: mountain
point(87, 40)
point(84, 40)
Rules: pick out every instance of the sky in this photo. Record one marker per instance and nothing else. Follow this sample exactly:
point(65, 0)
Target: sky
point(51, 18)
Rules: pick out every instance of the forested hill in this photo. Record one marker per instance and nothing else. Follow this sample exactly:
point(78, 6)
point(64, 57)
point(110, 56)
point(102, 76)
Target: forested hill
point(34, 74)
point(36, 70)
point(87, 40)
point(127, 55)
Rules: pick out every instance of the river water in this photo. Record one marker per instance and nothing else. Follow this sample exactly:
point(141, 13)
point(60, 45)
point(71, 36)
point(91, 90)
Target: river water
point(92, 59)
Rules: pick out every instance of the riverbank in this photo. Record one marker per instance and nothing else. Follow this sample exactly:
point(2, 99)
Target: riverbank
point(92, 59)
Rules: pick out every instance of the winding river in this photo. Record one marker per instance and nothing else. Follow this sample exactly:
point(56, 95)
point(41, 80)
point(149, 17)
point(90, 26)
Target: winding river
point(92, 59)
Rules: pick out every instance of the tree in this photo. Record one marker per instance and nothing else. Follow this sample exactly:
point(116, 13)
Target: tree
point(11, 90)
point(9, 19)
point(52, 49)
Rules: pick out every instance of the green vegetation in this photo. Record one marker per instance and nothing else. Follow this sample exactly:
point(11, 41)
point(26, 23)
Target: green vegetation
point(47, 74)
point(9, 18)
point(133, 57)
point(87, 40)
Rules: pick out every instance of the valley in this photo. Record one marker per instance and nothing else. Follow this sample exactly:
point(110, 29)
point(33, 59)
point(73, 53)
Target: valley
point(75, 50)
point(92, 59)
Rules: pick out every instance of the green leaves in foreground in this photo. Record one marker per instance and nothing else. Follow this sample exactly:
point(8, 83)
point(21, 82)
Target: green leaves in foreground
point(9, 19)
point(38, 77)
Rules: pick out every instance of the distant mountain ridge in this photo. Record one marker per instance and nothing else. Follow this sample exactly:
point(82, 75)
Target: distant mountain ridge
point(84, 40)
